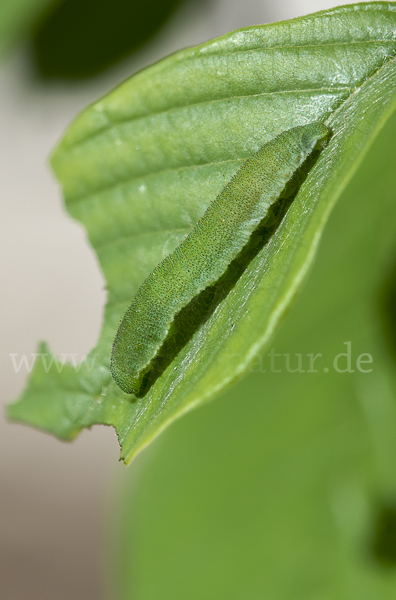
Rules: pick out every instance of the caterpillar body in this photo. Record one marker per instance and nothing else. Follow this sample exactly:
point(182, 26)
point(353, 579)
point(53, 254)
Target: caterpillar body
point(204, 255)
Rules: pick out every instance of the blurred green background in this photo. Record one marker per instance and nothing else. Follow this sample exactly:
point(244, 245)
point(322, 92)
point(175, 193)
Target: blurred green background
point(78, 39)
point(291, 497)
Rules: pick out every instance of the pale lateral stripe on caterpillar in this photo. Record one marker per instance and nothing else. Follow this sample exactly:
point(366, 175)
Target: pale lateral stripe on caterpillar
point(203, 256)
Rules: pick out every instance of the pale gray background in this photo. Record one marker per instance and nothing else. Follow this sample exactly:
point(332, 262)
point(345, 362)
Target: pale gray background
point(53, 495)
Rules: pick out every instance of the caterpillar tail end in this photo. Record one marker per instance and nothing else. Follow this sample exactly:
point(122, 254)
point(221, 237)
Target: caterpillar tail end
point(123, 376)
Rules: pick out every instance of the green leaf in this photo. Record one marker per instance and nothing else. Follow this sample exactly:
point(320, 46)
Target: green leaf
point(139, 167)
point(285, 487)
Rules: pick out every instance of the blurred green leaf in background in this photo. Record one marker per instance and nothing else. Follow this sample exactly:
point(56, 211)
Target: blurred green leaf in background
point(139, 167)
point(79, 38)
point(75, 39)
point(16, 17)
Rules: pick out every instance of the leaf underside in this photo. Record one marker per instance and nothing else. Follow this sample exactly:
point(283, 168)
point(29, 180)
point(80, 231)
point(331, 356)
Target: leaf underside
point(139, 168)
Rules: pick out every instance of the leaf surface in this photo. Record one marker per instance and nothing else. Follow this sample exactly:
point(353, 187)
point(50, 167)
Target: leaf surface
point(139, 167)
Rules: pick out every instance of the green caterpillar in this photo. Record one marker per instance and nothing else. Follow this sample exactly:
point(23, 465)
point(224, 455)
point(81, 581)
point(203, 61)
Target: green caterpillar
point(205, 253)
